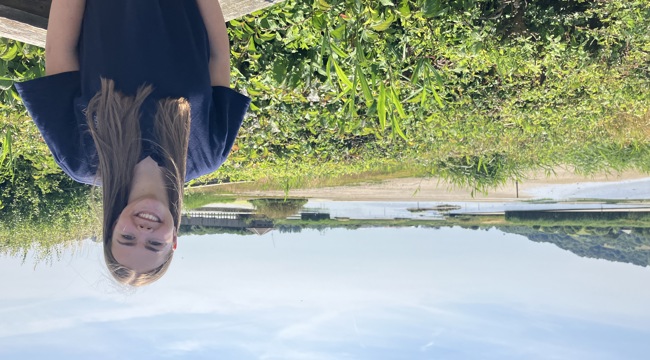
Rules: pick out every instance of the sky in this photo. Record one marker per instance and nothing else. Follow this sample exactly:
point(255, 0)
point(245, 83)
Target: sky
point(380, 293)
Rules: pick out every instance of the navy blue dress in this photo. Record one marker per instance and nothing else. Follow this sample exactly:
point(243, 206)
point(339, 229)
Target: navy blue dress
point(134, 42)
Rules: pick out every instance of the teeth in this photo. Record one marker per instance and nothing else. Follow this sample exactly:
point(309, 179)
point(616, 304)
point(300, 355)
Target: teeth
point(148, 217)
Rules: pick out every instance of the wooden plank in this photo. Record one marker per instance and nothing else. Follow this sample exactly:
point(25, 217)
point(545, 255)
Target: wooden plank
point(233, 9)
point(22, 26)
point(26, 20)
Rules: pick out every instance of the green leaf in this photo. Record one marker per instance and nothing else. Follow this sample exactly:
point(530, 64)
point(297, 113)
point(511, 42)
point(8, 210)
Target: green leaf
point(436, 74)
point(318, 21)
point(361, 57)
point(437, 97)
point(476, 47)
point(248, 29)
point(280, 70)
point(431, 8)
point(397, 103)
point(351, 108)
point(385, 24)
point(343, 78)
point(329, 70)
point(397, 129)
point(404, 8)
point(267, 36)
point(253, 92)
point(338, 50)
point(322, 5)
point(260, 85)
point(358, 6)
point(353, 96)
point(387, 3)
point(10, 52)
point(325, 46)
point(14, 94)
point(6, 148)
point(381, 105)
point(341, 95)
point(416, 72)
point(424, 97)
point(369, 35)
point(339, 32)
point(5, 83)
point(367, 93)
point(415, 98)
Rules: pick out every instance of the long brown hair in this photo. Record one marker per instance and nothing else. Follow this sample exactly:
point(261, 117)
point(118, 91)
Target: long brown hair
point(114, 122)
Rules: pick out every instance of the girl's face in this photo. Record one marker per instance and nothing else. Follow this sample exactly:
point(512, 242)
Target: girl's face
point(143, 235)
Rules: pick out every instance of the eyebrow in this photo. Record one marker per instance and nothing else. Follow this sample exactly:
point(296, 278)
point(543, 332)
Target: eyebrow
point(148, 247)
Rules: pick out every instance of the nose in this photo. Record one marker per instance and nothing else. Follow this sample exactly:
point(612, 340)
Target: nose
point(142, 227)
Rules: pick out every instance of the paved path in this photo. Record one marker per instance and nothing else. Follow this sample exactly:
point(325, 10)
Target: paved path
point(564, 185)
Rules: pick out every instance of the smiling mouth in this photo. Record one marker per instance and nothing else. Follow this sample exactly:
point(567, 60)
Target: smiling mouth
point(148, 216)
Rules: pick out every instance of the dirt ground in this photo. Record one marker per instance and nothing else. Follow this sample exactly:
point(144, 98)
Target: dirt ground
point(416, 189)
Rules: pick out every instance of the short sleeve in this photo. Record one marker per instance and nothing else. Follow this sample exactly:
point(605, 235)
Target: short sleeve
point(226, 116)
point(215, 124)
point(53, 103)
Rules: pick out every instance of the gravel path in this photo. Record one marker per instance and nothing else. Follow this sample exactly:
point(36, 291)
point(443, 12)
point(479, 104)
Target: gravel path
point(562, 185)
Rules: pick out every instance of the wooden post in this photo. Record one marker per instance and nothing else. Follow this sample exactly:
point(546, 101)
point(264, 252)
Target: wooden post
point(517, 187)
point(26, 20)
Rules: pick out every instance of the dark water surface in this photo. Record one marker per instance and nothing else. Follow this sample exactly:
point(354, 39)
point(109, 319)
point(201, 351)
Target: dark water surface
point(377, 293)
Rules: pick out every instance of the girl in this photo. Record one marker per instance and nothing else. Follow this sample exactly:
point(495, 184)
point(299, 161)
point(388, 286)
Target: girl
point(137, 99)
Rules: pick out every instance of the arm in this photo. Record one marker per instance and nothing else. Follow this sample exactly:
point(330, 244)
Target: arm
point(219, 43)
point(62, 37)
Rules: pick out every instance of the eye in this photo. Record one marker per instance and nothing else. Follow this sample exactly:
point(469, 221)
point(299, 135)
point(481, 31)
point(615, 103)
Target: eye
point(155, 243)
point(128, 237)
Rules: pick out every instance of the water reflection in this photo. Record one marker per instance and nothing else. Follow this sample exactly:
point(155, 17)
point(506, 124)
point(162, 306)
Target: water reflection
point(610, 231)
point(628, 245)
point(372, 293)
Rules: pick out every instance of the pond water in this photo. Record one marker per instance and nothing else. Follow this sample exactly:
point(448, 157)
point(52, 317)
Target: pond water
point(631, 189)
point(371, 293)
point(429, 210)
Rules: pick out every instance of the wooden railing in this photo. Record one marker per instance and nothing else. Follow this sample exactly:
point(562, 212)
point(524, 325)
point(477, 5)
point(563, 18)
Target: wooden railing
point(26, 20)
